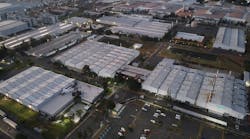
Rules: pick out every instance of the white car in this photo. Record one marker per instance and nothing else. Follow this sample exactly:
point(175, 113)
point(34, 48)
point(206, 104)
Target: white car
point(156, 115)
point(163, 114)
point(147, 104)
point(237, 127)
point(143, 137)
point(153, 121)
point(123, 129)
point(174, 125)
point(144, 109)
point(159, 111)
point(120, 134)
point(141, 96)
point(178, 117)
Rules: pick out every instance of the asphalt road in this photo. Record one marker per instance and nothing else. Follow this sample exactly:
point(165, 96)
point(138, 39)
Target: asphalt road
point(187, 128)
point(3, 136)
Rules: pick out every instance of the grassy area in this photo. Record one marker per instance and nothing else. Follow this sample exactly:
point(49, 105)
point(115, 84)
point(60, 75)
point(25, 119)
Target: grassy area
point(22, 113)
point(221, 62)
point(247, 65)
point(58, 130)
point(30, 118)
point(118, 42)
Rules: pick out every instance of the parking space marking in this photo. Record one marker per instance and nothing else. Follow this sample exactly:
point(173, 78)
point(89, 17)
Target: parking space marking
point(223, 134)
point(200, 131)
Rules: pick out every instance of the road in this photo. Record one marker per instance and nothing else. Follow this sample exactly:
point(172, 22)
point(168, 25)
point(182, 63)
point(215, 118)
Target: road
point(162, 45)
point(7, 130)
point(4, 136)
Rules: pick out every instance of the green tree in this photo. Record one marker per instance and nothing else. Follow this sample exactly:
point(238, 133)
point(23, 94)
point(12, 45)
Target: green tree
point(21, 136)
point(110, 104)
point(134, 84)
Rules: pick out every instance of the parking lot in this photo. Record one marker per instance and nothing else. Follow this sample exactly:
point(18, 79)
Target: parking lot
point(3, 136)
point(135, 120)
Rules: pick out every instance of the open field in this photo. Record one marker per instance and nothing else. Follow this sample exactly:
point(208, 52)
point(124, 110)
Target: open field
point(205, 57)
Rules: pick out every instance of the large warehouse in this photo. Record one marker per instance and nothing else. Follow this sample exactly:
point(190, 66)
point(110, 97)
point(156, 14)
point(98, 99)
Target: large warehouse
point(42, 90)
point(103, 59)
point(220, 93)
point(14, 42)
point(230, 39)
point(10, 27)
point(136, 25)
point(58, 44)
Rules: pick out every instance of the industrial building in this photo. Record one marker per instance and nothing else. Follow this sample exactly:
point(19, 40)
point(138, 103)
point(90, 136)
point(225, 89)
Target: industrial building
point(55, 45)
point(134, 72)
point(57, 29)
point(103, 59)
point(189, 37)
point(90, 93)
point(136, 25)
point(211, 15)
point(9, 27)
point(6, 8)
point(230, 39)
point(41, 90)
point(219, 93)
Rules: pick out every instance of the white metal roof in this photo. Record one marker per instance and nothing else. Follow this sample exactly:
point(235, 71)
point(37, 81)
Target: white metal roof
point(89, 92)
point(230, 39)
point(189, 36)
point(35, 87)
point(136, 25)
point(220, 93)
point(103, 59)
point(56, 29)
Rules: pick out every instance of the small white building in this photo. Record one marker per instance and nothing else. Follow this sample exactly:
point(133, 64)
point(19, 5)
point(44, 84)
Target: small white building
point(189, 36)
